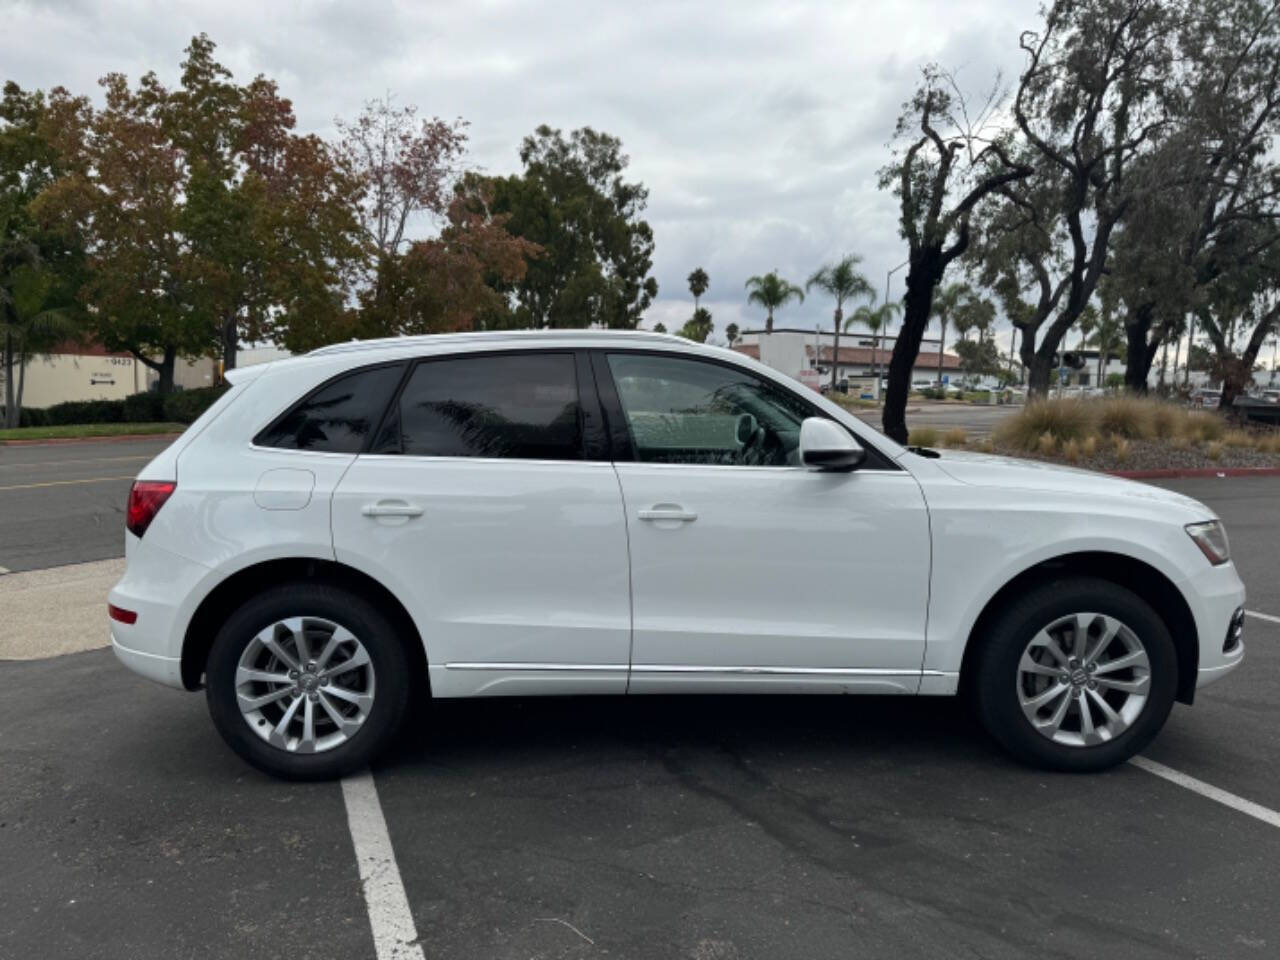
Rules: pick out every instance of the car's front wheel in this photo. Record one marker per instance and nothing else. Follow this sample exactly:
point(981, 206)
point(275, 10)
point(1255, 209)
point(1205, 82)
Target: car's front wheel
point(1077, 675)
point(307, 681)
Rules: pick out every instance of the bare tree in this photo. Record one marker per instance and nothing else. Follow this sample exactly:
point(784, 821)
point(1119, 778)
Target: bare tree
point(407, 167)
point(956, 158)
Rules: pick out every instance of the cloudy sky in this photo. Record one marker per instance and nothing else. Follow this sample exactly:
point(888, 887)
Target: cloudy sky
point(758, 127)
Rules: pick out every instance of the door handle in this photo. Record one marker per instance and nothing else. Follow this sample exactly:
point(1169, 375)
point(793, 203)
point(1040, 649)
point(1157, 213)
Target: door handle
point(667, 511)
point(391, 508)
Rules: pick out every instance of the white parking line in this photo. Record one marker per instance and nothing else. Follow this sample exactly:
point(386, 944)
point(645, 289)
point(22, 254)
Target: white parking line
point(1262, 616)
point(394, 936)
point(1218, 795)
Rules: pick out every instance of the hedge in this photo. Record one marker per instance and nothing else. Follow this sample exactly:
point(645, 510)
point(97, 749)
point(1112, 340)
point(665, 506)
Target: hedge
point(184, 406)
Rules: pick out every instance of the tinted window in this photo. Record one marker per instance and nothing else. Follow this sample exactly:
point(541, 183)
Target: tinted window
point(339, 416)
point(690, 411)
point(520, 406)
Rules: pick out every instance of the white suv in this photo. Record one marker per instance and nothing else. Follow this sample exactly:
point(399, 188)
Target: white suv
point(595, 512)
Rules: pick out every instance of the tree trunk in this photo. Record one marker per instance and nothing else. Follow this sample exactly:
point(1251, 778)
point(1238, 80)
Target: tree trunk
point(164, 367)
point(1039, 370)
point(11, 413)
point(230, 341)
point(1191, 340)
point(835, 353)
point(1141, 353)
point(922, 279)
point(768, 322)
point(1013, 351)
point(942, 339)
point(22, 385)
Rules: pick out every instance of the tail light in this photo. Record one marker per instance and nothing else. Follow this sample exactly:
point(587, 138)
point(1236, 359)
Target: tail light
point(146, 497)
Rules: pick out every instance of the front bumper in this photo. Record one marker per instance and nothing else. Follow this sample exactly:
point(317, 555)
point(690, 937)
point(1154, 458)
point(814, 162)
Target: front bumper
point(1217, 598)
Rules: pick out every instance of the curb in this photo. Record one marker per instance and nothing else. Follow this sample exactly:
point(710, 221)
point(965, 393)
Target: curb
point(54, 441)
point(1174, 473)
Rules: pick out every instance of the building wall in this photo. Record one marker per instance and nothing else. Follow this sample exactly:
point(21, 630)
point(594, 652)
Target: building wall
point(58, 377)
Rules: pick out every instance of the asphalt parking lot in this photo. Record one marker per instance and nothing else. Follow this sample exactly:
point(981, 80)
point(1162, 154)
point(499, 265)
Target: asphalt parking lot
point(695, 827)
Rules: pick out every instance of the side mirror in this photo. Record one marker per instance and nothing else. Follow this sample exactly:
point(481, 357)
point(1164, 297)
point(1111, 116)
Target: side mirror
point(825, 445)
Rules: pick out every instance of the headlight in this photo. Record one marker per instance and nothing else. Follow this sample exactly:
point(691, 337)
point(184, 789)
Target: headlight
point(1211, 538)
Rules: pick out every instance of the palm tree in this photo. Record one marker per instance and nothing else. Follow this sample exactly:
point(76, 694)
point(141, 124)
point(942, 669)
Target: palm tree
point(875, 319)
point(945, 303)
point(1108, 334)
point(731, 333)
point(698, 283)
point(841, 281)
point(772, 293)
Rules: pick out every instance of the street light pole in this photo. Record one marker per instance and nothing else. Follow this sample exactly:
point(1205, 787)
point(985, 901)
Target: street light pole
point(888, 274)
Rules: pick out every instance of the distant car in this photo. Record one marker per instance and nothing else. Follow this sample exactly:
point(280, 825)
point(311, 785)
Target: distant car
point(1209, 399)
point(1270, 396)
point(605, 512)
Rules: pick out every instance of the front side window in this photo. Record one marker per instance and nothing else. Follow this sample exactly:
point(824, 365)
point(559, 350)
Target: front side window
point(338, 417)
point(689, 411)
point(514, 406)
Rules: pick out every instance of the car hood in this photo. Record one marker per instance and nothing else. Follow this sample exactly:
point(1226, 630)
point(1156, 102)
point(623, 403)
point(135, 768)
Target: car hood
point(988, 470)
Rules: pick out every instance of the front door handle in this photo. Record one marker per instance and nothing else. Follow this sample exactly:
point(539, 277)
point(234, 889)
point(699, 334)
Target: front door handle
point(668, 511)
point(391, 508)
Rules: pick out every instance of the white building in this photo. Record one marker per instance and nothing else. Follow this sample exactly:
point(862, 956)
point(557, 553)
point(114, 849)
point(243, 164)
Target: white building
point(791, 350)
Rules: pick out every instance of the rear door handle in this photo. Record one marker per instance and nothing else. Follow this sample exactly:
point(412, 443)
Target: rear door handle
point(667, 511)
point(391, 508)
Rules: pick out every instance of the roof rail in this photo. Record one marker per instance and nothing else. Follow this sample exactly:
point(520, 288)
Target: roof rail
point(383, 343)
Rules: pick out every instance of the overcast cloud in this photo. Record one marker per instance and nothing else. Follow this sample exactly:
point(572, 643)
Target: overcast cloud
point(757, 127)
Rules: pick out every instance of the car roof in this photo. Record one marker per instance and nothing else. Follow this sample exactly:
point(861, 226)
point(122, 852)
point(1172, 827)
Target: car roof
point(396, 348)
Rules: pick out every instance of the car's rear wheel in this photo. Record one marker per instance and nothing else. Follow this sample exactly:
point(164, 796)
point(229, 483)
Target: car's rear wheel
point(307, 681)
point(1077, 675)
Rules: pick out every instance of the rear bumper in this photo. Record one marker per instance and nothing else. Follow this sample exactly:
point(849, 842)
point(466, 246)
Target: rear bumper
point(166, 670)
point(158, 586)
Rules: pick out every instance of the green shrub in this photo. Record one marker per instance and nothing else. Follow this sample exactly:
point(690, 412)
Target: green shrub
point(186, 405)
point(147, 407)
point(33, 417)
point(85, 411)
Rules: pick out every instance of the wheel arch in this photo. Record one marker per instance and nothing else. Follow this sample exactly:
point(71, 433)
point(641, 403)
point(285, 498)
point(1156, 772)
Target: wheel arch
point(224, 599)
point(1125, 571)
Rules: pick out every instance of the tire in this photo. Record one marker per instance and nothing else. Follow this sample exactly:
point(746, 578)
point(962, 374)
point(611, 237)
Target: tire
point(369, 699)
point(1014, 694)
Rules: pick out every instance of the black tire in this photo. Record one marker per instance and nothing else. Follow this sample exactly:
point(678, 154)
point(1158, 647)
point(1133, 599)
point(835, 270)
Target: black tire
point(996, 673)
point(391, 663)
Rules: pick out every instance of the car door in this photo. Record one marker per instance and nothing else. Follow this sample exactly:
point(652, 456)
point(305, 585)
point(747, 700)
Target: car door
point(488, 505)
point(749, 571)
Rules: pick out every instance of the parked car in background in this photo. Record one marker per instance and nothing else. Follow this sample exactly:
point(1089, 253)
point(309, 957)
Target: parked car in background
point(1204, 397)
point(1270, 396)
point(597, 512)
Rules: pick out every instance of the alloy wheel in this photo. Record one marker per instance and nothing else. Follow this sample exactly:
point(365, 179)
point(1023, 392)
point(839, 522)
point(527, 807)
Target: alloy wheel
point(1083, 679)
point(305, 684)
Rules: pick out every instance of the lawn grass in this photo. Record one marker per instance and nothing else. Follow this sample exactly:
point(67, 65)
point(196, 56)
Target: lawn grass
point(71, 431)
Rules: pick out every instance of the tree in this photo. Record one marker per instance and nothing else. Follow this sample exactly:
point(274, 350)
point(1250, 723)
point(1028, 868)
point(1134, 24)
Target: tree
point(659, 328)
point(773, 293)
point(1091, 102)
point(120, 198)
point(841, 281)
point(731, 333)
point(979, 357)
point(1108, 337)
point(204, 218)
point(699, 282)
point(38, 268)
point(876, 320)
point(957, 157)
point(946, 304)
point(699, 326)
point(573, 202)
point(439, 285)
point(1211, 203)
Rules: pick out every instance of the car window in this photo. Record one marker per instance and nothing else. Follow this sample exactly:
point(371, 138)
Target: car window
point(518, 406)
point(680, 410)
point(338, 417)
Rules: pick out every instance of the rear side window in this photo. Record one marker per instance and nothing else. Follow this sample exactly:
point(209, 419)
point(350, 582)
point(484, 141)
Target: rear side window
point(339, 416)
point(519, 406)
